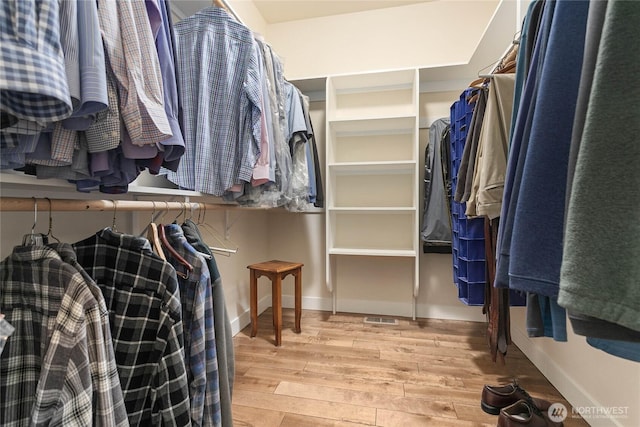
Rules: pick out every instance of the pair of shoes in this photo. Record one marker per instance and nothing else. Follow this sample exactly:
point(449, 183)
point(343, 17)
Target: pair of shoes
point(525, 413)
point(494, 398)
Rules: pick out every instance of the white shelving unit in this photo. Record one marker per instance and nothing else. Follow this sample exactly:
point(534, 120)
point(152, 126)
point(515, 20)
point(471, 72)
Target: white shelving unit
point(372, 169)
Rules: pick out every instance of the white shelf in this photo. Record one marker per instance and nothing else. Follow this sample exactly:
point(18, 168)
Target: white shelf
point(12, 180)
point(372, 96)
point(372, 168)
point(371, 209)
point(384, 167)
point(372, 252)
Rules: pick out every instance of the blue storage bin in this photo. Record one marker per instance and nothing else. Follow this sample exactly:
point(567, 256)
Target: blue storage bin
point(517, 299)
point(462, 266)
point(470, 293)
point(455, 224)
point(471, 249)
point(472, 228)
point(472, 270)
point(463, 291)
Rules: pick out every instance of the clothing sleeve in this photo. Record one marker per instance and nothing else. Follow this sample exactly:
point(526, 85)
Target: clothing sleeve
point(252, 132)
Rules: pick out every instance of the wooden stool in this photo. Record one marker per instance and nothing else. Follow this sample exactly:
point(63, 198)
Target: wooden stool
point(275, 271)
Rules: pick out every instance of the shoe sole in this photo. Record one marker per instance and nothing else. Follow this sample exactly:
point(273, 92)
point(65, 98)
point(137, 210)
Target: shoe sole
point(493, 410)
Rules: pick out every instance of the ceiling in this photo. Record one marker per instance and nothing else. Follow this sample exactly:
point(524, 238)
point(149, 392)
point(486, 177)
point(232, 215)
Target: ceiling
point(275, 11)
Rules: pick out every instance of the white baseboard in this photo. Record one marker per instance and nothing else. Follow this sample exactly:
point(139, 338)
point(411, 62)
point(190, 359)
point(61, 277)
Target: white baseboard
point(463, 312)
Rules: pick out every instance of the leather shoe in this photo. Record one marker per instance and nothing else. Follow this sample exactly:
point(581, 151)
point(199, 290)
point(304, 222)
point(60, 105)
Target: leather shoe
point(494, 398)
point(524, 413)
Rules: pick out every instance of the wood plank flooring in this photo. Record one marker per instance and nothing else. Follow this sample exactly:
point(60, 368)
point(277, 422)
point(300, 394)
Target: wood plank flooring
point(342, 372)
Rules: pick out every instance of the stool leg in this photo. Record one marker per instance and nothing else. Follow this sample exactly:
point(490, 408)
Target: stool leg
point(277, 309)
point(274, 298)
point(253, 290)
point(298, 304)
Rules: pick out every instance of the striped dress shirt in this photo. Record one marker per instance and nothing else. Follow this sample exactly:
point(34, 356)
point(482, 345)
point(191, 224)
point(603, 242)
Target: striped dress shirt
point(130, 47)
point(141, 292)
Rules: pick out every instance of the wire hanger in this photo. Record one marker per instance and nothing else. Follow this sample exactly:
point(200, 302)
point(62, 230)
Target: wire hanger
point(50, 232)
point(33, 238)
point(115, 210)
point(205, 255)
point(223, 250)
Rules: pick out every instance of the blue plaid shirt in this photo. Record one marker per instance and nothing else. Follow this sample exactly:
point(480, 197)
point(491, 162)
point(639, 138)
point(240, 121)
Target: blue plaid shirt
point(33, 82)
point(220, 91)
point(199, 333)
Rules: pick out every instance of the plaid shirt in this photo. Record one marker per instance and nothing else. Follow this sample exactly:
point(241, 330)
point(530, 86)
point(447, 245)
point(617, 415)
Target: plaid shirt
point(109, 408)
point(224, 336)
point(220, 91)
point(48, 369)
point(33, 80)
point(142, 295)
point(199, 333)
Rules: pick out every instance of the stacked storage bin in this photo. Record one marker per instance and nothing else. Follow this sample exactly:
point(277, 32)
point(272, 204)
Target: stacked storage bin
point(469, 258)
point(469, 255)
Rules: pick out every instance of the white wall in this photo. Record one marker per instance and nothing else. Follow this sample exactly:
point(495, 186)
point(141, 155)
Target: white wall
point(413, 36)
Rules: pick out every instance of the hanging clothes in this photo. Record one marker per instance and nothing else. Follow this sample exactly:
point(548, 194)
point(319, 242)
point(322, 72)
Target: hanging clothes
point(583, 324)
point(199, 333)
point(142, 293)
point(31, 41)
point(600, 280)
point(58, 366)
point(487, 186)
point(436, 220)
point(218, 79)
point(222, 325)
point(120, 78)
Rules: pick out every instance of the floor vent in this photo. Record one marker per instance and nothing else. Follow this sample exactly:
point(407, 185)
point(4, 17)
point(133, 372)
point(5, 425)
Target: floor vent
point(380, 321)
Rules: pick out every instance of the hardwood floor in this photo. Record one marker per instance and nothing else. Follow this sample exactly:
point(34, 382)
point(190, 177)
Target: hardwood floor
point(342, 372)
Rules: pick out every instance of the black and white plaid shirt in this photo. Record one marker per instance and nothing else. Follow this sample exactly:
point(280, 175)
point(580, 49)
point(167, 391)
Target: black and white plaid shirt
point(142, 296)
point(55, 364)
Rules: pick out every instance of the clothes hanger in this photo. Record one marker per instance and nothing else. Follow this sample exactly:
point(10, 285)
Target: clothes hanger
point(170, 249)
point(33, 238)
point(223, 250)
point(204, 255)
point(50, 232)
point(153, 236)
point(115, 210)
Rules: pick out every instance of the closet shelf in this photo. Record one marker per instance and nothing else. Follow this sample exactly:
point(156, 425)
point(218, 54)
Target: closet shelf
point(373, 252)
point(372, 209)
point(389, 167)
point(161, 186)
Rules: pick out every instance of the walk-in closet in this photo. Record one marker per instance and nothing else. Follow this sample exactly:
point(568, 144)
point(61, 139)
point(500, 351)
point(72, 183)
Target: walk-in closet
point(319, 213)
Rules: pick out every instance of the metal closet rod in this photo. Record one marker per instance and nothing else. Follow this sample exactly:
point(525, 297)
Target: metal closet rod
point(24, 204)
